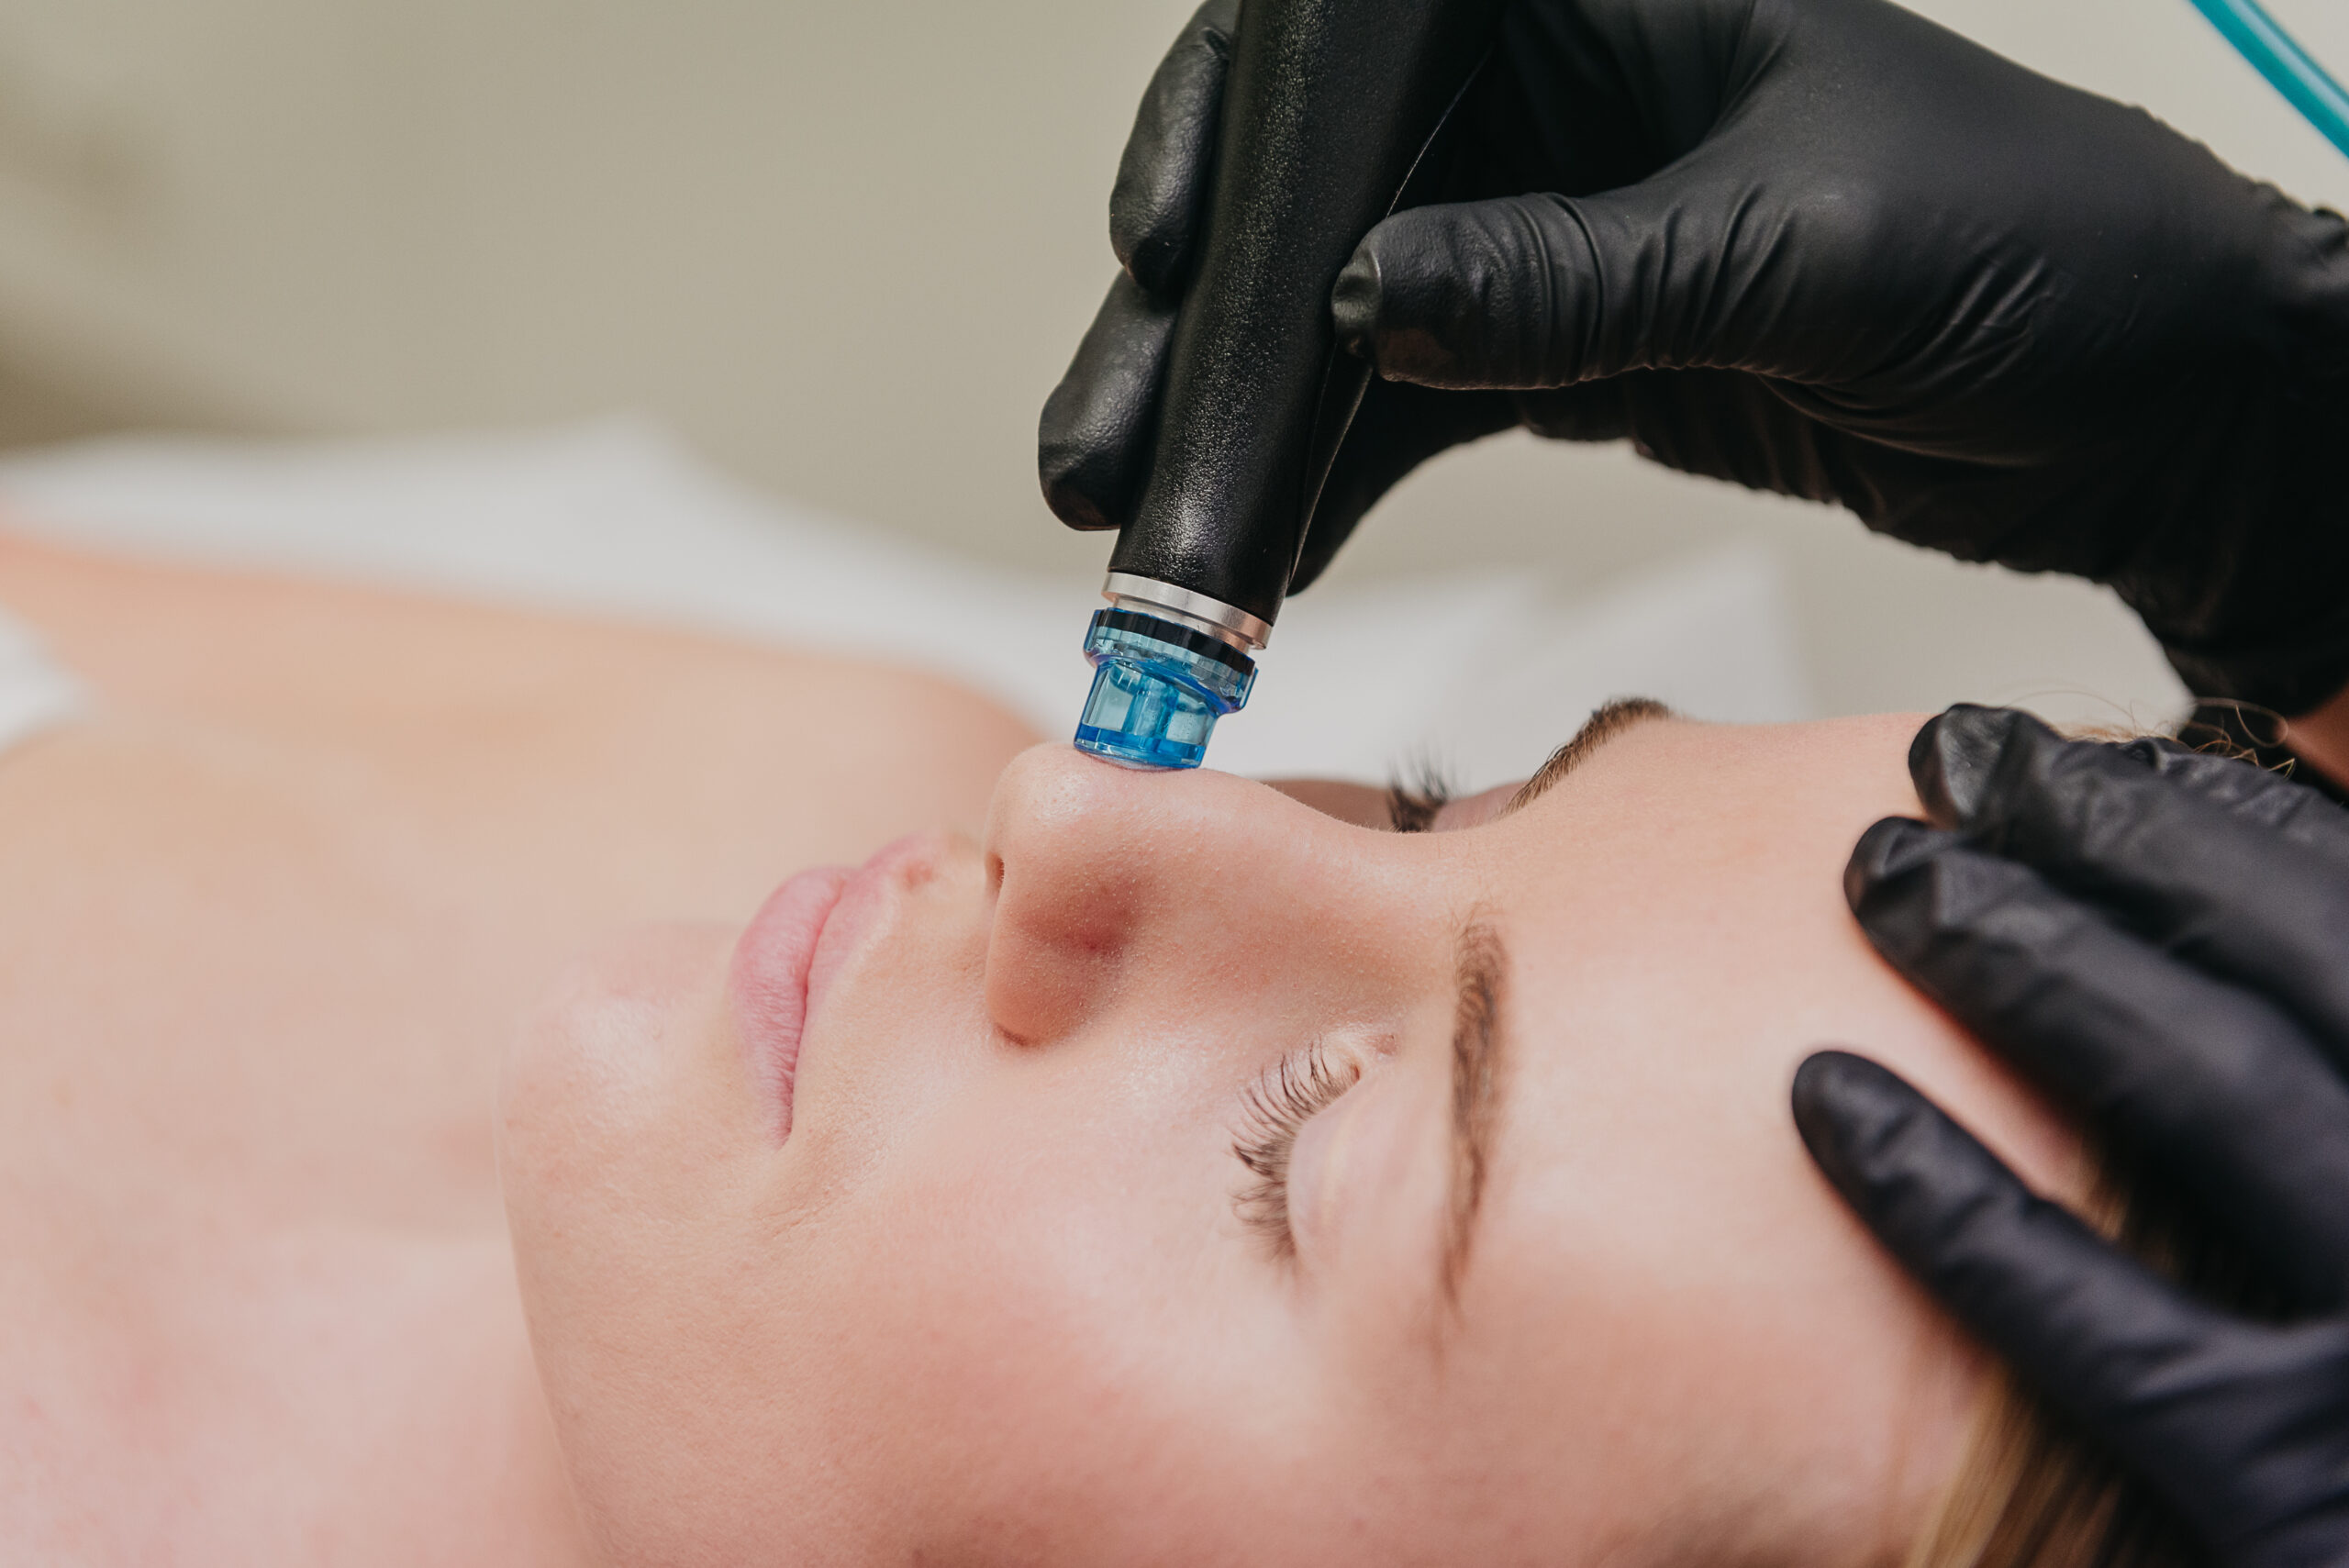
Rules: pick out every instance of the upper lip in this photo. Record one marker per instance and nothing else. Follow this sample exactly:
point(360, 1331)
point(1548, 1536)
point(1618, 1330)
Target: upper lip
point(767, 986)
point(780, 978)
point(860, 903)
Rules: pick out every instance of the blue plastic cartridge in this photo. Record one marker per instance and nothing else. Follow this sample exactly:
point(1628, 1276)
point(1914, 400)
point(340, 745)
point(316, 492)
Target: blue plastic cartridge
point(1158, 688)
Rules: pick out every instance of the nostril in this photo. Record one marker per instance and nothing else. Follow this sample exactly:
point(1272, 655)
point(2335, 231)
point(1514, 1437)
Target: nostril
point(995, 873)
point(1039, 991)
point(1057, 946)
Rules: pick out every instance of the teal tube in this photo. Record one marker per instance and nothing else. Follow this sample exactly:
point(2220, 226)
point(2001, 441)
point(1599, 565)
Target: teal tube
point(2287, 66)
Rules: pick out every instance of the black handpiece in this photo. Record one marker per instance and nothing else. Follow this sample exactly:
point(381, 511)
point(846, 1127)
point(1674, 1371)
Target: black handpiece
point(1828, 249)
point(1327, 105)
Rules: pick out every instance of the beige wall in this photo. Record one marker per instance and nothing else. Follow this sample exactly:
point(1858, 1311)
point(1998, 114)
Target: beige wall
point(846, 249)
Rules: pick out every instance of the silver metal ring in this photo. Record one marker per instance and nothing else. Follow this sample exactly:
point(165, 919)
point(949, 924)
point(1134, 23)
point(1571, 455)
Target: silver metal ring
point(1226, 623)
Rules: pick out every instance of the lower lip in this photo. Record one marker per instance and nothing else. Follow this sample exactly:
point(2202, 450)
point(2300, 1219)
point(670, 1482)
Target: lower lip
point(768, 986)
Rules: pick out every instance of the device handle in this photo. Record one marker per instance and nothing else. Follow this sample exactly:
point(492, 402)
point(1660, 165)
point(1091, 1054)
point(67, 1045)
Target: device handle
point(1327, 107)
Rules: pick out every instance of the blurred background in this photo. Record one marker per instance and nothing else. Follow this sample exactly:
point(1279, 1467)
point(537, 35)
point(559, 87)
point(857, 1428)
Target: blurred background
point(843, 252)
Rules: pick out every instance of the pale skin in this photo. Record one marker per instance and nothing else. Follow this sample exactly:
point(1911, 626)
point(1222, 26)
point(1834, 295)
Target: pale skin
point(267, 920)
point(2321, 737)
point(267, 923)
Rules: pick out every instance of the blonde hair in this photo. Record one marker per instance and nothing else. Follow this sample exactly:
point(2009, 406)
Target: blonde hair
point(2034, 1494)
point(2032, 1491)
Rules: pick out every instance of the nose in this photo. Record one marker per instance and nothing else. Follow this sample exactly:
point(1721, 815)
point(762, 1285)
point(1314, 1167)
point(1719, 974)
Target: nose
point(1186, 893)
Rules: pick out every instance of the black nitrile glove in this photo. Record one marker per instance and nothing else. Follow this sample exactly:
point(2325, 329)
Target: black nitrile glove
point(2161, 939)
point(1828, 248)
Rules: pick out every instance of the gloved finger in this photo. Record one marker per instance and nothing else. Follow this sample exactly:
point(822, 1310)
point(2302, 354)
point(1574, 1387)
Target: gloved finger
point(1736, 425)
point(2221, 728)
point(1160, 199)
point(2213, 1410)
point(1397, 427)
point(2213, 1086)
point(2245, 874)
point(1093, 442)
point(2263, 796)
point(1965, 743)
point(1466, 294)
point(1722, 423)
point(1686, 270)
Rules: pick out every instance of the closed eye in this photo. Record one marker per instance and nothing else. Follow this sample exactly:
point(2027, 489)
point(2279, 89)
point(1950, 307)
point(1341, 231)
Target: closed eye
point(1290, 1094)
point(1414, 799)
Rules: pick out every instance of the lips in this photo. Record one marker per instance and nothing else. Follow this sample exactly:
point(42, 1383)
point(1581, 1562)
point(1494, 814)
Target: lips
point(768, 985)
point(793, 947)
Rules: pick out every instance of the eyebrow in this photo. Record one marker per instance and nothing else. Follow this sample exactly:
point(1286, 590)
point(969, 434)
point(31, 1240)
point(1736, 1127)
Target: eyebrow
point(1478, 1057)
point(1607, 721)
point(1479, 1054)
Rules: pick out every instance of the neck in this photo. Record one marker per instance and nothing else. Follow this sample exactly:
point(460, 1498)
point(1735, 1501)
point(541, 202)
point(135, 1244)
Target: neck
point(385, 1410)
point(483, 1476)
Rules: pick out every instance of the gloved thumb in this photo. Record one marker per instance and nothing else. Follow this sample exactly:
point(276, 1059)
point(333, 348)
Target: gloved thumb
point(1543, 291)
point(1093, 442)
point(1161, 195)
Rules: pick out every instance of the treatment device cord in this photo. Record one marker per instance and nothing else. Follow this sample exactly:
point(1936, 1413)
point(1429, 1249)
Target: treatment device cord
point(2287, 66)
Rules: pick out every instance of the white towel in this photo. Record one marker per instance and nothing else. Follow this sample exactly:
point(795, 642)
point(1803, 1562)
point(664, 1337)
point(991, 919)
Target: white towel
point(1481, 671)
point(34, 693)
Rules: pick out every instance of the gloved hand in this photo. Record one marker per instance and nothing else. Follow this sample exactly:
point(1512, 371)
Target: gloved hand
point(2161, 939)
point(1828, 248)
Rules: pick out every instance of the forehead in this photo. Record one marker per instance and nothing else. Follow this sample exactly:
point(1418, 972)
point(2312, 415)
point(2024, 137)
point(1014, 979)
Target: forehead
point(1666, 788)
point(1678, 942)
point(1688, 878)
point(1690, 875)
point(1709, 856)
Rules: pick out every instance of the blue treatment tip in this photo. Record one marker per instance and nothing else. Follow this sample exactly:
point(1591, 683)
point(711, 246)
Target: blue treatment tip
point(1158, 688)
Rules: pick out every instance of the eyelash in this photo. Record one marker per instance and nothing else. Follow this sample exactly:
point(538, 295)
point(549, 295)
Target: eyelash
point(1279, 1104)
point(1412, 803)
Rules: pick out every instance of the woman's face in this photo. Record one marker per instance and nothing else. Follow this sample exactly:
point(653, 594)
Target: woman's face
point(906, 1226)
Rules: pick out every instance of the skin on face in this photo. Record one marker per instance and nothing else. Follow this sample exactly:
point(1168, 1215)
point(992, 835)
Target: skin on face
point(993, 1298)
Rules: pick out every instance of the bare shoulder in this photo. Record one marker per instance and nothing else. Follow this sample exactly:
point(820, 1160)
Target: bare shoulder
point(493, 720)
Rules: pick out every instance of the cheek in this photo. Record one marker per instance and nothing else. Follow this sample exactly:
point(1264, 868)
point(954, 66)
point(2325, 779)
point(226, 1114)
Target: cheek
point(973, 1306)
point(630, 1149)
point(601, 1087)
point(1011, 1259)
point(898, 1036)
point(1056, 1343)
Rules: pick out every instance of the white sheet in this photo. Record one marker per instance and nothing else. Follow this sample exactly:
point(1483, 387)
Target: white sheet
point(34, 693)
point(1477, 671)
